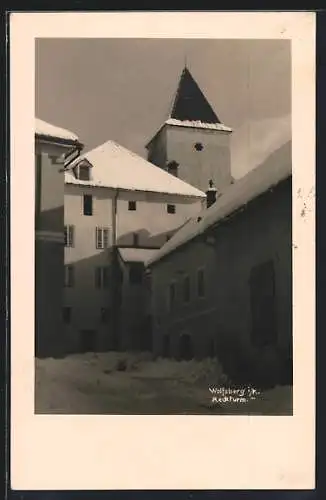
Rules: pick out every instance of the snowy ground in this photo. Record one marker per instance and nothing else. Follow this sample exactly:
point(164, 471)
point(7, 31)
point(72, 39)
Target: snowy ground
point(93, 384)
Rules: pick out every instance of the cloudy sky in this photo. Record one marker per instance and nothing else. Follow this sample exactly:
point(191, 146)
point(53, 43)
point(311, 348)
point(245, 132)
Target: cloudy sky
point(121, 89)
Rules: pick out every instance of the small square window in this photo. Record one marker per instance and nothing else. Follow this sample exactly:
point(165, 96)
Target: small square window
point(132, 205)
point(66, 314)
point(170, 209)
point(88, 204)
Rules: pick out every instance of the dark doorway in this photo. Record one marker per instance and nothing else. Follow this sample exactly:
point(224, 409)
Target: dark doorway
point(185, 347)
point(166, 346)
point(88, 341)
point(262, 294)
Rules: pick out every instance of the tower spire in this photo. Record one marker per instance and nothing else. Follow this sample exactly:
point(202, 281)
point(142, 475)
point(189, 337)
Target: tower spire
point(190, 103)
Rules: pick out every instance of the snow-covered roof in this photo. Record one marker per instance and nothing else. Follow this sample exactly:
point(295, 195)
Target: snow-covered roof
point(45, 129)
point(276, 168)
point(137, 254)
point(116, 167)
point(198, 124)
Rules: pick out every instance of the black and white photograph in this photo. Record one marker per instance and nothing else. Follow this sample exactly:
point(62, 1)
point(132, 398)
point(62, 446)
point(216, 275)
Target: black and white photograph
point(163, 226)
point(162, 251)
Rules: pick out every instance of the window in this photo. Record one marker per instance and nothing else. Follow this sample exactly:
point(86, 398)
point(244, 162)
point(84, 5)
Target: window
point(83, 173)
point(170, 209)
point(104, 314)
point(263, 310)
point(135, 239)
point(69, 236)
point(136, 272)
point(102, 237)
point(198, 146)
point(101, 277)
point(88, 204)
point(172, 296)
point(186, 289)
point(69, 276)
point(66, 314)
point(201, 283)
point(132, 205)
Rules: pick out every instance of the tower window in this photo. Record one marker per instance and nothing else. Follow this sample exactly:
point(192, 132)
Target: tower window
point(132, 205)
point(199, 146)
point(170, 209)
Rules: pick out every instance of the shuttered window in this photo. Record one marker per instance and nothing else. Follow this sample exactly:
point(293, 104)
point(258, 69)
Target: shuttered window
point(102, 237)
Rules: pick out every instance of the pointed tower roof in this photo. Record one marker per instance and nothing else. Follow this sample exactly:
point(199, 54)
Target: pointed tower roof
point(190, 104)
point(190, 108)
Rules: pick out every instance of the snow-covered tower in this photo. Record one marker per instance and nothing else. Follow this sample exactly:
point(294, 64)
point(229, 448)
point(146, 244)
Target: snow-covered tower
point(193, 143)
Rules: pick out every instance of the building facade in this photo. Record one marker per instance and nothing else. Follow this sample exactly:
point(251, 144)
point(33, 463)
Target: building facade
point(193, 143)
point(222, 286)
point(115, 200)
point(53, 146)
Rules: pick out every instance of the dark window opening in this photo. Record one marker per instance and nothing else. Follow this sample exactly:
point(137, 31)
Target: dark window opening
point(185, 347)
point(88, 341)
point(263, 310)
point(136, 272)
point(84, 173)
point(171, 209)
point(199, 146)
point(201, 283)
point(102, 277)
point(132, 205)
point(66, 314)
point(104, 315)
point(88, 204)
point(186, 289)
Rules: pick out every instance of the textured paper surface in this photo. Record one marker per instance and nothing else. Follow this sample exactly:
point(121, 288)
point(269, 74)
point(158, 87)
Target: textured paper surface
point(161, 452)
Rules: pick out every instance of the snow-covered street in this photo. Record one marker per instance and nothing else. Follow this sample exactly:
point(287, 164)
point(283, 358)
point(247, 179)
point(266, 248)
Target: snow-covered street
point(126, 383)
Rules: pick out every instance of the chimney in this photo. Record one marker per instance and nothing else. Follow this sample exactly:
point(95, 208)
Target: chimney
point(211, 194)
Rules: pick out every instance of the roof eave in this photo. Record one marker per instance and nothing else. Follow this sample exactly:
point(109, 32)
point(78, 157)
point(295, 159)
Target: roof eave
point(214, 225)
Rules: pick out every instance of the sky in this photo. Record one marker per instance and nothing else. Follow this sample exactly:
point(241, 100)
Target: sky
point(122, 89)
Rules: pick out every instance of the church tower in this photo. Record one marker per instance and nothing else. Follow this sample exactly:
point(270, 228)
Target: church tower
point(193, 143)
